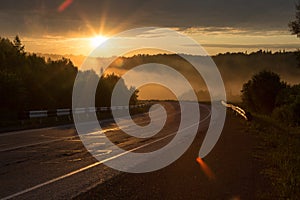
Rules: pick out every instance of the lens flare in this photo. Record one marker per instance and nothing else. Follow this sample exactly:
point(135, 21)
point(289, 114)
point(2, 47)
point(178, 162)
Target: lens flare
point(188, 124)
point(207, 171)
point(64, 5)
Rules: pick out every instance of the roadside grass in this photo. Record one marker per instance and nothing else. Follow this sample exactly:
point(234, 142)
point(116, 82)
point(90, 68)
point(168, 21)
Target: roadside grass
point(279, 151)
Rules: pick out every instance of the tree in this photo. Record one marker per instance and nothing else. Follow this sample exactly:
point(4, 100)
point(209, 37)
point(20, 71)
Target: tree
point(18, 45)
point(12, 91)
point(29, 82)
point(106, 86)
point(295, 28)
point(289, 110)
point(295, 25)
point(260, 93)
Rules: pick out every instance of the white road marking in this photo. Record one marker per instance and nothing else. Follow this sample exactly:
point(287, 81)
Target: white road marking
point(98, 163)
point(101, 152)
point(47, 128)
point(33, 144)
point(56, 140)
point(35, 130)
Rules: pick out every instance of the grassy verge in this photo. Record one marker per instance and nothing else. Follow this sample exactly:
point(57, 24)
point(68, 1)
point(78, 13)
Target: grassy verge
point(279, 151)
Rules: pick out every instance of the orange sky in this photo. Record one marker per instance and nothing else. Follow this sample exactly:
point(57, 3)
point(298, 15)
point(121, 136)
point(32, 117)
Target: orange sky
point(67, 26)
point(214, 42)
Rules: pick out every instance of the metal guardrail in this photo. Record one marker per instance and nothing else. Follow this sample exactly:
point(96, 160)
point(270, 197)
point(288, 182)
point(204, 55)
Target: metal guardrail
point(66, 112)
point(38, 113)
point(246, 115)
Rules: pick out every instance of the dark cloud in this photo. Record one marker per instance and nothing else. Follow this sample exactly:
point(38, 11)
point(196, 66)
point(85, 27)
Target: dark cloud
point(41, 16)
point(257, 46)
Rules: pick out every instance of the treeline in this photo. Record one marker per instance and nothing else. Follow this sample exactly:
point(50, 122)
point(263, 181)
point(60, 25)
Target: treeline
point(30, 82)
point(267, 94)
point(235, 68)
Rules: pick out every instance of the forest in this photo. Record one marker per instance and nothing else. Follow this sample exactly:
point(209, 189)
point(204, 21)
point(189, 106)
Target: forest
point(31, 82)
point(235, 69)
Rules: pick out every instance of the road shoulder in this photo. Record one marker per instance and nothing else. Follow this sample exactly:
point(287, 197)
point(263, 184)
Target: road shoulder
point(236, 170)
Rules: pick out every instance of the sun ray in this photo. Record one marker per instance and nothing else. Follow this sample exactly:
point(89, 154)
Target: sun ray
point(97, 40)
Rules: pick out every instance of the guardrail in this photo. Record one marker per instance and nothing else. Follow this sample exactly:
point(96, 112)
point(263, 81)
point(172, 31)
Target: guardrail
point(246, 115)
point(68, 112)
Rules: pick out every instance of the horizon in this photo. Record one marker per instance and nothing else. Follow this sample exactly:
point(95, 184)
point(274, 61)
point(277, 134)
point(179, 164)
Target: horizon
point(84, 47)
point(158, 99)
point(78, 59)
point(58, 27)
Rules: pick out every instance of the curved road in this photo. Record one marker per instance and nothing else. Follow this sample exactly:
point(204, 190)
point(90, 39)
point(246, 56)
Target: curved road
point(52, 163)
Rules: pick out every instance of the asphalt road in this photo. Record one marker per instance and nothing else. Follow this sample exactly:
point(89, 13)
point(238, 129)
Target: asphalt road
point(52, 163)
point(234, 172)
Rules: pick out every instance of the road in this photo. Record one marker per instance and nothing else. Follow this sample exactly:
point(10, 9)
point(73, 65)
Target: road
point(52, 163)
point(45, 163)
point(235, 172)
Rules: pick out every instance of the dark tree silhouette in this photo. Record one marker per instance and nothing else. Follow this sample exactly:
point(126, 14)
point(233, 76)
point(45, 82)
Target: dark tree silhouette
point(18, 44)
point(259, 94)
point(288, 110)
point(29, 82)
point(295, 28)
point(295, 25)
point(105, 89)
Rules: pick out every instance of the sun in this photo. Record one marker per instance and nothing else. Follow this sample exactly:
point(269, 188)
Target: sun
point(96, 41)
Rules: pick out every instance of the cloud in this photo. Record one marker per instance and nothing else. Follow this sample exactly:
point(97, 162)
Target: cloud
point(214, 23)
point(232, 31)
point(271, 46)
point(120, 15)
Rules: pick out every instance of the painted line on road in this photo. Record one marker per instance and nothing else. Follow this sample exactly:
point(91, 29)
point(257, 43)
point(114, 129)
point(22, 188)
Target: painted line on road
point(50, 141)
point(71, 125)
point(62, 139)
point(47, 128)
point(98, 163)
point(36, 130)
point(54, 140)
point(35, 144)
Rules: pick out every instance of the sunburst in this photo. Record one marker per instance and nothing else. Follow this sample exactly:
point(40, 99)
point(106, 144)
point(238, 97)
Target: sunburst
point(97, 40)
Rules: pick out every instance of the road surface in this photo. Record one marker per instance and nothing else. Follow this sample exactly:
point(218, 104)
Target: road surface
point(52, 163)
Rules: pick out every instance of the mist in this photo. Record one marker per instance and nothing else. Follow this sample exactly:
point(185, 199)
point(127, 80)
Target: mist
point(235, 69)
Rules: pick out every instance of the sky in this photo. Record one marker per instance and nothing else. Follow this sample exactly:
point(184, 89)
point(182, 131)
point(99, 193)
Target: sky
point(69, 26)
